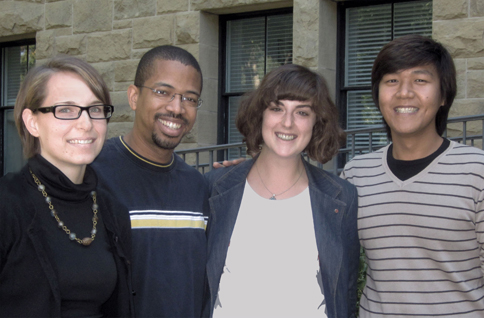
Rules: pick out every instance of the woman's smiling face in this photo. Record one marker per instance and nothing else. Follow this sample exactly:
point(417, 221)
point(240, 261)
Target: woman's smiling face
point(68, 144)
point(287, 127)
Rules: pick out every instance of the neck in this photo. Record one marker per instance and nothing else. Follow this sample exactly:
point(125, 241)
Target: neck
point(275, 166)
point(75, 173)
point(148, 149)
point(416, 148)
point(284, 177)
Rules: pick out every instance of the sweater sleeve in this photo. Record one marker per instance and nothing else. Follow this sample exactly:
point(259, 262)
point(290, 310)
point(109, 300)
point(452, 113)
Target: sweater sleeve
point(480, 227)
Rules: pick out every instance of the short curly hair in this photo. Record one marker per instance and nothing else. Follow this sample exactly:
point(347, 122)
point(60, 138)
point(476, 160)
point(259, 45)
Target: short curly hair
point(293, 82)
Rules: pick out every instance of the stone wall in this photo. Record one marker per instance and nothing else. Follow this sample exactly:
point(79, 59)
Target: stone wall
point(459, 25)
point(112, 35)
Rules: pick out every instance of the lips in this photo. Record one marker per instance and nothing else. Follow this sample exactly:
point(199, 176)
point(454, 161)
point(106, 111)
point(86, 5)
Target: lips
point(285, 136)
point(81, 141)
point(406, 110)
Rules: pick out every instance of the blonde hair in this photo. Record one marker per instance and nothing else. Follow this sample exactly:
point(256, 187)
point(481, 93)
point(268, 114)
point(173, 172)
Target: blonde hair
point(33, 92)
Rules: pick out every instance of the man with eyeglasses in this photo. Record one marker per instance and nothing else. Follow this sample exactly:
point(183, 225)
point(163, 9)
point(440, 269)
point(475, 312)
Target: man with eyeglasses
point(167, 199)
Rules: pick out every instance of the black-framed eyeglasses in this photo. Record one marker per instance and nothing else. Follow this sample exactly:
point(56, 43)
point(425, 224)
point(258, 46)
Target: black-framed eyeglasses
point(71, 112)
point(168, 94)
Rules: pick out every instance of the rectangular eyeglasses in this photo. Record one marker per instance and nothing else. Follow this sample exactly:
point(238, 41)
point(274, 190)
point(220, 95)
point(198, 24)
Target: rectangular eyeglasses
point(71, 112)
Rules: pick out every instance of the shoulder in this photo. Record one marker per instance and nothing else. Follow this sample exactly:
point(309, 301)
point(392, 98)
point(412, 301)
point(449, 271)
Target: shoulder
point(458, 150)
point(109, 153)
point(15, 205)
point(227, 172)
point(109, 148)
point(188, 171)
point(364, 162)
point(463, 160)
point(329, 182)
point(11, 186)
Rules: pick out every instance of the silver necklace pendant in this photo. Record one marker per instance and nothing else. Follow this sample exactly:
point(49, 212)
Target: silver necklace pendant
point(273, 197)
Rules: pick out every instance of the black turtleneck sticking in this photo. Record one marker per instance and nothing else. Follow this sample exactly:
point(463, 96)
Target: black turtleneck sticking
point(86, 274)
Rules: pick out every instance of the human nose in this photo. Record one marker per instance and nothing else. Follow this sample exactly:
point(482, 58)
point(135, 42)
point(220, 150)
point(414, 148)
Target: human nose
point(287, 120)
point(405, 90)
point(175, 104)
point(84, 121)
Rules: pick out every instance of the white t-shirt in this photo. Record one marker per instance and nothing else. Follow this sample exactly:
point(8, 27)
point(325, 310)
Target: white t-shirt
point(272, 267)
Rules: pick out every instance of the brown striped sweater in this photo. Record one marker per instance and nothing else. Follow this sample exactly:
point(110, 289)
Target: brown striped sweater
point(423, 237)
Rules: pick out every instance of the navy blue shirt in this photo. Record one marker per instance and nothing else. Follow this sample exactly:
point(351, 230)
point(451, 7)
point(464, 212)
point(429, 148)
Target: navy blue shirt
point(168, 206)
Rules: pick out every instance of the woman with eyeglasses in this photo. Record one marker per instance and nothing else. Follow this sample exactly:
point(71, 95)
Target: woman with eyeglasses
point(64, 245)
point(282, 235)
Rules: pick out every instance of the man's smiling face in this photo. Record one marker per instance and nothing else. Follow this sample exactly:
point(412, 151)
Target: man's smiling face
point(164, 123)
point(409, 100)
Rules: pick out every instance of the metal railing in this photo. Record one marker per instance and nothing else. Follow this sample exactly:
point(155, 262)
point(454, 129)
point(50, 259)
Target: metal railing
point(202, 158)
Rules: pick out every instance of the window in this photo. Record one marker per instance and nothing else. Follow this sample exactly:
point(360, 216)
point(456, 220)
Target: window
point(366, 29)
point(252, 46)
point(15, 60)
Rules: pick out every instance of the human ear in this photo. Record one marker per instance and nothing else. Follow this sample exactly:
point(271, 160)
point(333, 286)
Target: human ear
point(133, 93)
point(30, 122)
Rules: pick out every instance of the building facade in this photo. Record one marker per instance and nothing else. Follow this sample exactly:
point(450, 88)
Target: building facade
point(236, 43)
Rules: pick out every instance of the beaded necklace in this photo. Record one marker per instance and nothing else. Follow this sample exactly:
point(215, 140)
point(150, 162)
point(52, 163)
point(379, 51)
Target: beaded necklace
point(72, 236)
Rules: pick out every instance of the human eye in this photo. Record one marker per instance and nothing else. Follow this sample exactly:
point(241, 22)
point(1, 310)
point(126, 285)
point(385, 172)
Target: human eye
point(421, 80)
point(190, 99)
point(96, 109)
point(389, 79)
point(161, 92)
point(66, 111)
point(274, 107)
point(303, 113)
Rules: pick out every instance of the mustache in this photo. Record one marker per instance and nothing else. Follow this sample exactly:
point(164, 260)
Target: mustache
point(171, 115)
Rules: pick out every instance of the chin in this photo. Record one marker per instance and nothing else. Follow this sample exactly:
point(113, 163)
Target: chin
point(167, 143)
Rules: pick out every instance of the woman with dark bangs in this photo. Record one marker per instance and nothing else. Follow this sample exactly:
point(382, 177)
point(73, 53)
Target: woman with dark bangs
point(282, 235)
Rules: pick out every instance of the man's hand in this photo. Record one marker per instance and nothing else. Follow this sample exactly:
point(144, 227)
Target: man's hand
point(227, 163)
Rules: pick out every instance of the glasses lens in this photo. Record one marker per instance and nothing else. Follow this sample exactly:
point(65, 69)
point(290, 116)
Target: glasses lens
point(190, 100)
point(67, 112)
point(100, 111)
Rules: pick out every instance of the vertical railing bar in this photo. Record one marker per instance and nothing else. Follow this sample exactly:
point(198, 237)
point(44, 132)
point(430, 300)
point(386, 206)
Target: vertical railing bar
point(482, 136)
point(370, 144)
point(353, 141)
point(210, 159)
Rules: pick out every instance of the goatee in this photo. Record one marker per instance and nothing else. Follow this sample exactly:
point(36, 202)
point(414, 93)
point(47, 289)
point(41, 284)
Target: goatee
point(165, 144)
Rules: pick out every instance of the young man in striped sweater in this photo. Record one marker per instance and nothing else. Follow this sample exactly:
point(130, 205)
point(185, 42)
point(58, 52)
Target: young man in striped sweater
point(421, 212)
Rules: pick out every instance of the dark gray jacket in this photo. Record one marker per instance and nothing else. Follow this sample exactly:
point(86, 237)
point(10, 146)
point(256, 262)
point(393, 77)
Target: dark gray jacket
point(334, 204)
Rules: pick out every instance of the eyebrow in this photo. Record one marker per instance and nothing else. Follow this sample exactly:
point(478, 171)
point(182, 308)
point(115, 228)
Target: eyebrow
point(417, 71)
point(171, 86)
point(70, 102)
point(425, 72)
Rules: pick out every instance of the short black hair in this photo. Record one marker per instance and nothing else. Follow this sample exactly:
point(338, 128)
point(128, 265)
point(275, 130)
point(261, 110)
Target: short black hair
point(411, 51)
point(168, 53)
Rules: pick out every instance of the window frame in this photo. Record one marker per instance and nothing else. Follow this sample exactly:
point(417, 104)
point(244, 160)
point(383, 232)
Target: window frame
point(341, 89)
point(223, 103)
point(4, 108)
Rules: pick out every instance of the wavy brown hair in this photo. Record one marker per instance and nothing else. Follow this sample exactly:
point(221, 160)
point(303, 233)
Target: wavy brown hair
point(33, 92)
point(292, 82)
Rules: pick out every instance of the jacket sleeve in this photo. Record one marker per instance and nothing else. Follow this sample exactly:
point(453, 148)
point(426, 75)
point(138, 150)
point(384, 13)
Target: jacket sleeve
point(353, 248)
point(10, 227)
